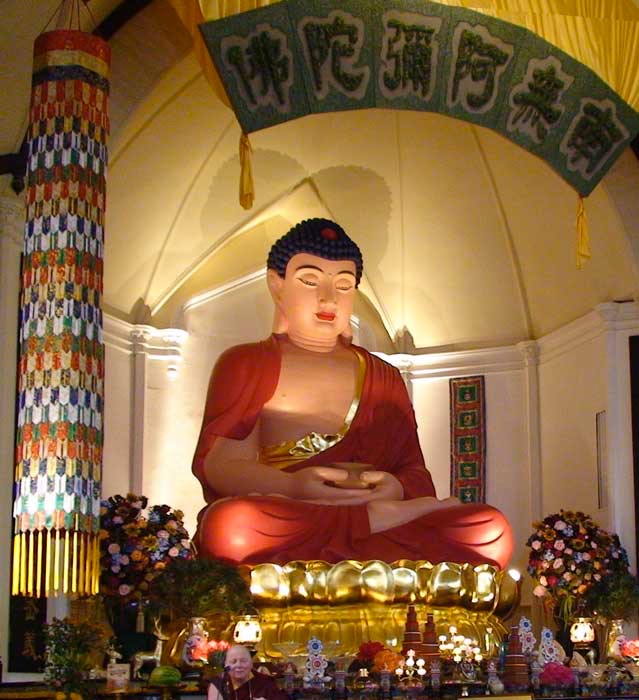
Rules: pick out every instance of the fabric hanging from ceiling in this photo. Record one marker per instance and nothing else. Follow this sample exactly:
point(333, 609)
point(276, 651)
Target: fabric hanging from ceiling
point(61, 365)
point(601, 34)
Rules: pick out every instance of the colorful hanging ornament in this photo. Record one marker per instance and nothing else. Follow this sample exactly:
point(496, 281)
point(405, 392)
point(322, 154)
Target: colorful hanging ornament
point(61, 357)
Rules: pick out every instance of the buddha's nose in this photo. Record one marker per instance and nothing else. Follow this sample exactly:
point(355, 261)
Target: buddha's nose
point(327, 294)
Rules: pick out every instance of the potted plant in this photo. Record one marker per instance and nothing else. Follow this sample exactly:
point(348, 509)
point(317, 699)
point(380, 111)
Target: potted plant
point(200, 596)
point(200, 588)
point(68, 650)
point(614, 599)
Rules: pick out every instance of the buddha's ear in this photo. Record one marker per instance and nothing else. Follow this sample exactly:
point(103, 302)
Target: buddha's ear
point(347, 335)
point(275, 285)
point(280, 323)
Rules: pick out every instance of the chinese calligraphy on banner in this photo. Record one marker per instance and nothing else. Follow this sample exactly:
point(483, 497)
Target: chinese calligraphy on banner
point(290, 59)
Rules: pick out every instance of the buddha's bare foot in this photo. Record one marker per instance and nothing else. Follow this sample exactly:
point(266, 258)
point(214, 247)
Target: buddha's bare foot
point(385, 515)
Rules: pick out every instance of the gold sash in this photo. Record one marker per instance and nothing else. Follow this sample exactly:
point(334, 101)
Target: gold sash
point(293, 451)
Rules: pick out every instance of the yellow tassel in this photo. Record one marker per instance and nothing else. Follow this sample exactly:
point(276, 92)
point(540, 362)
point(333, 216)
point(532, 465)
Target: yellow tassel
point(65, 571)
point(79, 563)
point(47, 566)
point(38, 589)
point(30, 559)
point(56, 564)
point(88, 584)
point(247, 188)
point(583, 235)
point(15, 587)
point(23, 564)
point(96, 565)
point(75, 564)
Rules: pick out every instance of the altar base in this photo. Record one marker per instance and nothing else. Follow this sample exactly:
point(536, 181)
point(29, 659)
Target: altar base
point(351, 601)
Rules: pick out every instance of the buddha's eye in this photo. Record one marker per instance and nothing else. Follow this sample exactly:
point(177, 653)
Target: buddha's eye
point(344, 286)
point(308, 281)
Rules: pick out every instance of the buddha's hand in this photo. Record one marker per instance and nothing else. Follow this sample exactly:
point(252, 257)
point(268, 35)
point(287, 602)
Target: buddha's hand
point(386, 486)
point(311, 485)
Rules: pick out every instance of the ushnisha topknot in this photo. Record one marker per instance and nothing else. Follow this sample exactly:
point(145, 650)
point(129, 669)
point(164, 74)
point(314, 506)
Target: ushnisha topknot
point(321, 237)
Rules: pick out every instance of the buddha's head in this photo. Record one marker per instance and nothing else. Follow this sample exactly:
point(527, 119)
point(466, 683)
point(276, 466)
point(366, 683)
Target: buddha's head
point(313, 272)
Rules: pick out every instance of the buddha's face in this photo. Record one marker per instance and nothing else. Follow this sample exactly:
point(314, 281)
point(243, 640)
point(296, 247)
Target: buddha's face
point(316, 297)
point(239, 662)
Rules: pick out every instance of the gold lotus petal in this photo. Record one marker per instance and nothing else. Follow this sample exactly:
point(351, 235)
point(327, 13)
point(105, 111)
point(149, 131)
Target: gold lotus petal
point(317, 579)
point(269, 584)
point(344, 583)
point(509, 592)
point(378, 584)
point(445, 584)
point(424, 573)
point(405, 581)
point(478, 587)
point(298, 583)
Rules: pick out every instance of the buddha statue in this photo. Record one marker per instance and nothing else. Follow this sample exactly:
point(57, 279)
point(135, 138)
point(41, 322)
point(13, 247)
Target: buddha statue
point(286, 417)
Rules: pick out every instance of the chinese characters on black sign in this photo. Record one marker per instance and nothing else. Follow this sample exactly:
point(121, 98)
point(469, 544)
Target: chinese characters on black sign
point(286, 60)
point(27, 617)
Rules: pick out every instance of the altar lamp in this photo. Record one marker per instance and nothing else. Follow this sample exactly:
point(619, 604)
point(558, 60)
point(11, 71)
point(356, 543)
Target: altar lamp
point(56, 508)
point(582, 636)
point(248, 630)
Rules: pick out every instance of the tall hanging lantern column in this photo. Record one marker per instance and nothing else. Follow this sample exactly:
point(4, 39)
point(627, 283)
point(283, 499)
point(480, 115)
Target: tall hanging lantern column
point(61, 357)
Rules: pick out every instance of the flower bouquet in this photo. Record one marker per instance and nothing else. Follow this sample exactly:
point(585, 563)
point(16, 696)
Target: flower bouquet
point(556, 676)
point(629, 649)
point(136, 545)
point(569, 555)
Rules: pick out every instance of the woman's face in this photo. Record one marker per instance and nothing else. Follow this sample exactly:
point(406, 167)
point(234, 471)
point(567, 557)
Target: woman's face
point(239, 662)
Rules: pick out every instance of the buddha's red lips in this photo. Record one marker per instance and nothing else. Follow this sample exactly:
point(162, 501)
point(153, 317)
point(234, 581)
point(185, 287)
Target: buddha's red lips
point(325, 316)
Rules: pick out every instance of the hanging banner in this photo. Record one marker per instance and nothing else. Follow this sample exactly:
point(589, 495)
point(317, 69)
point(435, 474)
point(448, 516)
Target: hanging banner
point(291, 59)
point(61, 350)
point(467, 440)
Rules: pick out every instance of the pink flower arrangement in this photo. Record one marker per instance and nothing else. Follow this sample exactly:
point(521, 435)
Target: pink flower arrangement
point(569, 554)
point(630, 649)
point(556, 675)
point(136, 543)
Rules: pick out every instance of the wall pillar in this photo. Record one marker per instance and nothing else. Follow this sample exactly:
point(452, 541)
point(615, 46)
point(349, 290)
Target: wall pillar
point(12, 219)
point(620, 321)
point(530, 352)
point(131, 351)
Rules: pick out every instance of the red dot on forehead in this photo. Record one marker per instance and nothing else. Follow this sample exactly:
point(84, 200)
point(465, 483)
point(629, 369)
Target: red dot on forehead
point(328, 233)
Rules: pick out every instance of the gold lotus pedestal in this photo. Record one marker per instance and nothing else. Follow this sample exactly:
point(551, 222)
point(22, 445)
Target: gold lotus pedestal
point(351, 601)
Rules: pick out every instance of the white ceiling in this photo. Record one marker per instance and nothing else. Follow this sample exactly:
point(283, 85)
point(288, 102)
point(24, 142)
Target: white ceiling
point(467, 239)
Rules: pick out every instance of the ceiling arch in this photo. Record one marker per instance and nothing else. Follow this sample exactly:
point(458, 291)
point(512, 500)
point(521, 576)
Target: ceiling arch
point(467, 246)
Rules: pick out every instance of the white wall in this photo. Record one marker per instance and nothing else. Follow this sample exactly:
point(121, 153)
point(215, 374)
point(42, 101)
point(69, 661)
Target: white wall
point(507, 462)
point(584, 370)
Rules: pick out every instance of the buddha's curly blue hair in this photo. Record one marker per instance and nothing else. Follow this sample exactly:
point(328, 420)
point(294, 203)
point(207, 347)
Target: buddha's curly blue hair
point(321, 237)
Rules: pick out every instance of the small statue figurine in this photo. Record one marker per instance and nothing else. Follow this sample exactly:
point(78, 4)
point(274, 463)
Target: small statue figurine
point(112, 653)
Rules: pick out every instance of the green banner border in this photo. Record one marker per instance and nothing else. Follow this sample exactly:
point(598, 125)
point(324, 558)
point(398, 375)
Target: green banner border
point(299, 57)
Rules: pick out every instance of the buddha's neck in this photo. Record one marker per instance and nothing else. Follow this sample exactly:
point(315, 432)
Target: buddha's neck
point(313, 344)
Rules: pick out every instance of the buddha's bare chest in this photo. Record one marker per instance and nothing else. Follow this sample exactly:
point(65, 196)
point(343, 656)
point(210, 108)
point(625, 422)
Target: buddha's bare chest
point(312, 395)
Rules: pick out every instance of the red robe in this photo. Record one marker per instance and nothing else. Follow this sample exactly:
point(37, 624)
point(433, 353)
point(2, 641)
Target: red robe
point(258, 686)
point(257, 529)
